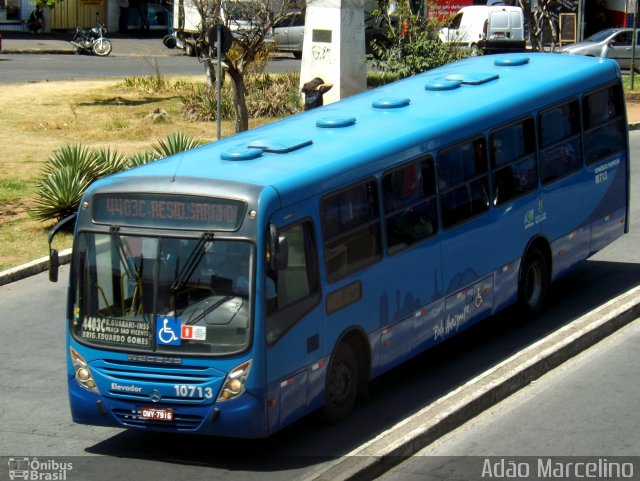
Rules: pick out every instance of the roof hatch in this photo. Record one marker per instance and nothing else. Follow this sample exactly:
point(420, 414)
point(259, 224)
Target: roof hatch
point(255, 148)
point(477, 78)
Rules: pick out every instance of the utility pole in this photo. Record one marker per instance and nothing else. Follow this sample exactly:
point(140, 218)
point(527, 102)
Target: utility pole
point(634, 39)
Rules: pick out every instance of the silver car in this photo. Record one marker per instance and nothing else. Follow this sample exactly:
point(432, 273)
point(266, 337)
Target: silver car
point(288, 34)
point(615, 42)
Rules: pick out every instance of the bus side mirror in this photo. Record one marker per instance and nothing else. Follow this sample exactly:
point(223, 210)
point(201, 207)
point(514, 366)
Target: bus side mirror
point(54, 265)
point(54, 261)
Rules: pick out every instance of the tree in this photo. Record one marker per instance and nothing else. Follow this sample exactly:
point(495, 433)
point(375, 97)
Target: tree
point(47, 3)
point(412, 44)
point(250, 22)
point(537, 20)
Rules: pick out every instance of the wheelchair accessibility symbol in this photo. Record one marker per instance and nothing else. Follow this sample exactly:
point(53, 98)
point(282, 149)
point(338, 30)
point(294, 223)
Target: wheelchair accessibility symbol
point(168, 331)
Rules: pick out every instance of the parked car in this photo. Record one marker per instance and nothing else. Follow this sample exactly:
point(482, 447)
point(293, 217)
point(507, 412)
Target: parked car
point(616, 43)
point(288, 35)
point(490, 28)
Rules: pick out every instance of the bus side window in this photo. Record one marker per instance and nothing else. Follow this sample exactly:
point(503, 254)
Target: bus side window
point(561, 151)
point(351, 229)
point(464, 181)
point(296, 287)
point(603, 124)
point(409, 198)
point(513, 161)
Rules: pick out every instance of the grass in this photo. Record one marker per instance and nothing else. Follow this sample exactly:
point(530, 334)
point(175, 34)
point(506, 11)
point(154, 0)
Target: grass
point(38, 118)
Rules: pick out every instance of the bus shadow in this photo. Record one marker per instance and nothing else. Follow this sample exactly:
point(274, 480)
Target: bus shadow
point(307, 444)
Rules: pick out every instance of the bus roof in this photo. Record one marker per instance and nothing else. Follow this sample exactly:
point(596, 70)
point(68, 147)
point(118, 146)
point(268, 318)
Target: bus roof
point(322, 149)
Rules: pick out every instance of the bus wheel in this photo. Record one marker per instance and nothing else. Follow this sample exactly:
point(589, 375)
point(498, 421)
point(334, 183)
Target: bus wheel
point(533, 287)
point(341, 386)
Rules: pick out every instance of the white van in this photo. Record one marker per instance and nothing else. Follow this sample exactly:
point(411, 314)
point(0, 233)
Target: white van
point(187, 31)
point(492, 29)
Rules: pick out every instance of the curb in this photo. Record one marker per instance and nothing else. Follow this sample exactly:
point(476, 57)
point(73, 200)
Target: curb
point(71, 52)
point(31, 268)
point(44, 51)
point(451, 411)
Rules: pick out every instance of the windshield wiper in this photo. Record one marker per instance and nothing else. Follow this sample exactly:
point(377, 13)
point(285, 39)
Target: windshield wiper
point(192, 263)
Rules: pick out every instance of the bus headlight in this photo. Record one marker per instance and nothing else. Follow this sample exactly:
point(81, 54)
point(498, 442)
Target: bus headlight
point(82, 372)
point(234, 384)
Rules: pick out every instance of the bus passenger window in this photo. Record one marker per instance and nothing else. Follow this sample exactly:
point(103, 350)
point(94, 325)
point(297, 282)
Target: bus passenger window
point(464, 181)
point(296, 287)
point(603, 124)
point(351, 230)
point(513, 161)
point(561, 151)
point(409, 204)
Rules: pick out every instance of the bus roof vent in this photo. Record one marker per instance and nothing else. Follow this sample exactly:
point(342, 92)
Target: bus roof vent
point(391, 103)
point(511, 61)
point(477, 78)
point(241, 153)
point(283, 146)
point(335, 122)
point(442, 84)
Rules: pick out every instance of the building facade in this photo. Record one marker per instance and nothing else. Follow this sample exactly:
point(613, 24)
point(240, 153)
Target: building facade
point(117, 15)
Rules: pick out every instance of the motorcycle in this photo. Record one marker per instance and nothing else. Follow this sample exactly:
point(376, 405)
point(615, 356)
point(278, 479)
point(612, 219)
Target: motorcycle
point(92, 40)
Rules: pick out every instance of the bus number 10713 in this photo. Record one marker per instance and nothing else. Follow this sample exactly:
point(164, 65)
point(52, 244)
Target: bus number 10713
point(183, 390)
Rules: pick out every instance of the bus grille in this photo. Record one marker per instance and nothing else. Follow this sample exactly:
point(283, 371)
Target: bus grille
point(162, 378)
point(133, 418)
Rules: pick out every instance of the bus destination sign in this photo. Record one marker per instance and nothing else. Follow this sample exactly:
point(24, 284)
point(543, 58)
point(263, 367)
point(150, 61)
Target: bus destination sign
point(168, 211)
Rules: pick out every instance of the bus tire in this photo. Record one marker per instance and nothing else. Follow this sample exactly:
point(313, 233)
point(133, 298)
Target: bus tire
point(533, 284)
point(341, 387)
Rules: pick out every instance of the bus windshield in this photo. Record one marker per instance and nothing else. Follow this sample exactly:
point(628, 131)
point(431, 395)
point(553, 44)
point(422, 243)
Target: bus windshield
point(161, 294)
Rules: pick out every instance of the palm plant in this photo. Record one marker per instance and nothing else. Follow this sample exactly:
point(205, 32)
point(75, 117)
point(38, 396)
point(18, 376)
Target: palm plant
point(173, 144)
point(111, 161)
point(59, 193)
point(141, 158)
point(72, 168)
point(77, 157)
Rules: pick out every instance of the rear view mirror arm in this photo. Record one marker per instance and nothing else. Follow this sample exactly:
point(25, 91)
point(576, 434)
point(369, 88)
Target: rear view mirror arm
point(54, 262)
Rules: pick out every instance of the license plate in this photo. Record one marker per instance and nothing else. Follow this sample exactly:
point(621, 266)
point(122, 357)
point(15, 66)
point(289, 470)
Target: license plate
point(157, 414)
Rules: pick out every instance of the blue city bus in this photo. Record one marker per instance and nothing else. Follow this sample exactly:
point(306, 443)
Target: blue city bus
point(232, 289)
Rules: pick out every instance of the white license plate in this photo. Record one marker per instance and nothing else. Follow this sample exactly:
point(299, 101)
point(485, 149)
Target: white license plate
point(157, 414)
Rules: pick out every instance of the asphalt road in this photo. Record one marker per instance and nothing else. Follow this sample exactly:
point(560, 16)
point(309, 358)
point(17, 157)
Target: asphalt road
point(40, 67)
